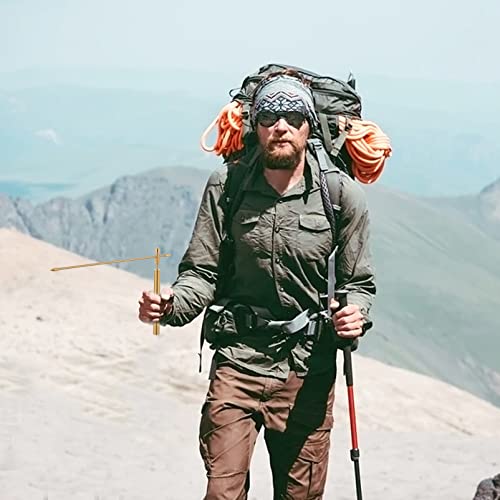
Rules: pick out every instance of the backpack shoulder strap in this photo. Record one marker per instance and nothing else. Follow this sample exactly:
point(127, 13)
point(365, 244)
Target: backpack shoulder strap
point(232, 193)
point(331, 185)
point(238, 175)
point(334, 181)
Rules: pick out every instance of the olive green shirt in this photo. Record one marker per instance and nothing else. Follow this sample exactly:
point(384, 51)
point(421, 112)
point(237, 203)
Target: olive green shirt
point(282, 244)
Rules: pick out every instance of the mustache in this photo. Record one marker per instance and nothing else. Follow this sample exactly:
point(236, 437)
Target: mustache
point(280, 141)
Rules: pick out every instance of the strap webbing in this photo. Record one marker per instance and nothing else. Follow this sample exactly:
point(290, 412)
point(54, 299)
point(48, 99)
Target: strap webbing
point(339, 142)
point(324, 169)
point(325, 130)
point(292, 326)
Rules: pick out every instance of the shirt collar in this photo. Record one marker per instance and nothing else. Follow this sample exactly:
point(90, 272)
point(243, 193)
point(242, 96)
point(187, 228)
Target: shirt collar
point(310, 180)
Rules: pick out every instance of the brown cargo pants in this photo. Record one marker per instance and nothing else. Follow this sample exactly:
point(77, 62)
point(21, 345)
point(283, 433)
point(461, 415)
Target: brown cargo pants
point(297, 418)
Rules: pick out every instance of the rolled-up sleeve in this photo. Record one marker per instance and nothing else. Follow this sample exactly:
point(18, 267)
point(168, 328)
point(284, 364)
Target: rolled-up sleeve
point(355, 273)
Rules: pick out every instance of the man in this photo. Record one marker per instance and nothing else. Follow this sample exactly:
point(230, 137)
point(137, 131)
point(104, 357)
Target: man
point(263, 377)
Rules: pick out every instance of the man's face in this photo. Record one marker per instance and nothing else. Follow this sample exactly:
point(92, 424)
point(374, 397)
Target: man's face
point(283, 138)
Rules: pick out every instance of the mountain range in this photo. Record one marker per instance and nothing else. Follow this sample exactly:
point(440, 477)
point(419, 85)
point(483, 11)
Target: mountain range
point(437, 263)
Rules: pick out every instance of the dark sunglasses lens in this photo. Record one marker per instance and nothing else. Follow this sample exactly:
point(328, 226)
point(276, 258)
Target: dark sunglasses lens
point(267, 118)
point(294, 118)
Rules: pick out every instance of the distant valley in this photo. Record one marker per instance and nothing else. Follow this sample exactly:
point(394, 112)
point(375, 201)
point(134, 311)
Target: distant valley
point(70, 138)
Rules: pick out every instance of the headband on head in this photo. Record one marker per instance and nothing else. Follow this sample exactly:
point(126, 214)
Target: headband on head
point(284, 93)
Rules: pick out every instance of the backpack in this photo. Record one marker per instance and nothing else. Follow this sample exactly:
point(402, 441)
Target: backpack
point(333, 98)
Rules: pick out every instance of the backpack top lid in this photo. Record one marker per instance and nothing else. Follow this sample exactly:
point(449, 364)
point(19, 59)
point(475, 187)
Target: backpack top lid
point(331, 96)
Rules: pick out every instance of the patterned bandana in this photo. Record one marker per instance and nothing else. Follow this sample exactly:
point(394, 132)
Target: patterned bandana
point(284, 93)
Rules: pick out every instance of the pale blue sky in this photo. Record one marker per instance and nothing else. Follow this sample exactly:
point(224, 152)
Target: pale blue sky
point(446, 39)
point(421, 50)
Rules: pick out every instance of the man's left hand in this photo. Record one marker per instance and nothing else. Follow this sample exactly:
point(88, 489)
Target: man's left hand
point(348, 321)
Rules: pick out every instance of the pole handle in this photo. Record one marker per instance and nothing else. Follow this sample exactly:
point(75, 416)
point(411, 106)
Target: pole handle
point(341, 298)
point(343, 343)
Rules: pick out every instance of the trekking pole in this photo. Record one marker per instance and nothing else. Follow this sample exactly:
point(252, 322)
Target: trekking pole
point(346, 346)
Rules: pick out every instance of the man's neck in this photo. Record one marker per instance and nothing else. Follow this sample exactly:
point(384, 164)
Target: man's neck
point(283, 180)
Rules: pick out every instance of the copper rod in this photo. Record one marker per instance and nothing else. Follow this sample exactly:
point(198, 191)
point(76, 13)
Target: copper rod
point(157, 256)
point(110, 262)
point(156, 326)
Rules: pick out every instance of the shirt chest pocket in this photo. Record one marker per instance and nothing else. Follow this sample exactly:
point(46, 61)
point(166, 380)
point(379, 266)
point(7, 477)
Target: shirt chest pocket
point(314, 237)
point(249, 231)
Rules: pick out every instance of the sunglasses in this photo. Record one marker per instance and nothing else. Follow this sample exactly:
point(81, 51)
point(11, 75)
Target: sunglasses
point(269, 118)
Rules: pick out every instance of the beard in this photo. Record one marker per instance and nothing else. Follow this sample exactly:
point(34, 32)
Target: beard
point(276, 159)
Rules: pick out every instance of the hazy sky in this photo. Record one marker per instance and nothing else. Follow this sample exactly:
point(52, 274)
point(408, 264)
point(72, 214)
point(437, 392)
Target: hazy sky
point(430, 39)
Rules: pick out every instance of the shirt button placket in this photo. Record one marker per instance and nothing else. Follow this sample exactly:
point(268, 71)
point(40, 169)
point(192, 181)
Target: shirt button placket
point(277, 245)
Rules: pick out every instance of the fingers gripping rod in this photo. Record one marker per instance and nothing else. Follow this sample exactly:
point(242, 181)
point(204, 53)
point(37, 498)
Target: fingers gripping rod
point(156, 287)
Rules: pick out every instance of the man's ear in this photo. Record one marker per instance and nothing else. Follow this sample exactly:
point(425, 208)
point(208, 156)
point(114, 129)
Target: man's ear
point(311, 130)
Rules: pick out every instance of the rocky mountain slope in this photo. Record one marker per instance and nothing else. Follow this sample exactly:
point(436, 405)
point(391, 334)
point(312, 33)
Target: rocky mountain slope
point(438, 270)
point(482, 209)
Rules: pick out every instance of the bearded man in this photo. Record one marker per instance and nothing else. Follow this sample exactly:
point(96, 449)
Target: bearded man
point(278, 379)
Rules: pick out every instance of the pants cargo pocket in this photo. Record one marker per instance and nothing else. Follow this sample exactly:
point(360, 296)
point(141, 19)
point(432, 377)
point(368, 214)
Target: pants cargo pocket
point(226, 439)
point(307, 476)
point(204, 429)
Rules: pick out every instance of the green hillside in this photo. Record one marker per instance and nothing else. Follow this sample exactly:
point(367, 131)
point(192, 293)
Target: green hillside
point(438, 293)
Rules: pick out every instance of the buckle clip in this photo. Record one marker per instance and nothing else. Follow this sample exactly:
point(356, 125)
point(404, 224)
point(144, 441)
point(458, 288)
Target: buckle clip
point(244, 317)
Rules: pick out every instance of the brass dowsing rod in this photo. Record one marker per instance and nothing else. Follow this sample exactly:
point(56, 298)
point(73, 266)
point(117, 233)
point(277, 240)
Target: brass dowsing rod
point(156, 279)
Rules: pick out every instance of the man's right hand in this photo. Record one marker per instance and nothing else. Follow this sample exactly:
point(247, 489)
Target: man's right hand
point(153, 306)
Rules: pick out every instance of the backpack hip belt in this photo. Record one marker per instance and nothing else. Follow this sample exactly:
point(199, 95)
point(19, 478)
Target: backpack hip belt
point(250, 318)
